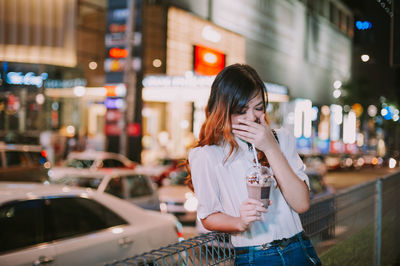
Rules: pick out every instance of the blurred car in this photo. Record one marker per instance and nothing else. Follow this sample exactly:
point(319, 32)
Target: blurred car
point(164, 168)
point(176, 197)
point(332, 162)
point(131, 185)
point(61, 225)
point(92, 160)
point(318, 186)
point(21, 162)
point(315, 162)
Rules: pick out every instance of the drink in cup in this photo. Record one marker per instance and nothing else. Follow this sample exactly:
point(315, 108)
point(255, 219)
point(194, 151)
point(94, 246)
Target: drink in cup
point(259, 181)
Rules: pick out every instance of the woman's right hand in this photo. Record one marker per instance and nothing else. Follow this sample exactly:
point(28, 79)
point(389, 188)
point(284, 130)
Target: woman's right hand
point(250, 210)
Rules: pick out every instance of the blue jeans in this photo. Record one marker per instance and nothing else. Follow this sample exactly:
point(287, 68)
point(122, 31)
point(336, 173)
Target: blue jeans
point(297, 253)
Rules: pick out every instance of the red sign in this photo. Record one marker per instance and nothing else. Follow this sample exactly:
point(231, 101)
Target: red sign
point(134, 129)
point(117, 27)
point(336, 146)
point(350, 148)
point(208, 61)
point(118, 53)
point(113, 129)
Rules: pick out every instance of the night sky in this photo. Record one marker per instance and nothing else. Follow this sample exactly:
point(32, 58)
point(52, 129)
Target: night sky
point(376, 77)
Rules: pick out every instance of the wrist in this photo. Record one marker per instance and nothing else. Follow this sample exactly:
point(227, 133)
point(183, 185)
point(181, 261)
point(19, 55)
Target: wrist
point(270, 149)
point(240, 225)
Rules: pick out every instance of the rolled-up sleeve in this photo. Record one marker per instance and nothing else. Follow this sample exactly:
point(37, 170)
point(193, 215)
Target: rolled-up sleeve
point(293, 157)
point(205, 183)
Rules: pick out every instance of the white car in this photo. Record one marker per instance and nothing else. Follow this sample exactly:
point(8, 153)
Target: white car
point(132, 185)
point(61, 225)
point(92, 160)
point(176, 197)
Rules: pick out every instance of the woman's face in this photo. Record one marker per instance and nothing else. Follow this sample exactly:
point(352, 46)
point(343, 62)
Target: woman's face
point(253, 111)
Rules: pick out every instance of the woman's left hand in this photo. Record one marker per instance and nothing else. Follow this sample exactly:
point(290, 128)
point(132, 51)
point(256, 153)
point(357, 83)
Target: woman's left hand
point(258, 134)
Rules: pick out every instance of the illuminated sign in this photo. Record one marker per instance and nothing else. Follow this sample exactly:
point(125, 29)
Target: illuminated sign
point(336, 147)
point(275, 88)
point(323, 146)
point(120, 14)
point(114, 39)
point(114, 115)
point(112, 129)
point(118, 52)
point(17, 78)
point(190, 80)
point(114, 27)
point(65, 83)
point(208, 61)
point(133, 129)
point(302, 118)
point(336, 119)
point(178, 81)
point(114, 65)
point(114, 103)
point(118, 90)
point(363, 25)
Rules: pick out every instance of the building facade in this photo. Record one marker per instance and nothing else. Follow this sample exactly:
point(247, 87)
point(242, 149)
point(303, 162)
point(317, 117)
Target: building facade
point(304, 45)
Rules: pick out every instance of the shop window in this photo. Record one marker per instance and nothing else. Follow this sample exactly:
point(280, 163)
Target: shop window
point(342, 21)
point(349, 22)
point(332, 13)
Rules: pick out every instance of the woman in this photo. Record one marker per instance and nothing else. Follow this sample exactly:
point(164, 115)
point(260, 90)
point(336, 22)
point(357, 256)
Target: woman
point(235, 118)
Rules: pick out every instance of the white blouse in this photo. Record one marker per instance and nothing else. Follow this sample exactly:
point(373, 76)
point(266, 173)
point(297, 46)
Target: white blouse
point(220, 187)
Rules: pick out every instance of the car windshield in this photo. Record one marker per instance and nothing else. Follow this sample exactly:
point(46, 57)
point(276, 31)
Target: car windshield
point(78, 163)
point(78, 181)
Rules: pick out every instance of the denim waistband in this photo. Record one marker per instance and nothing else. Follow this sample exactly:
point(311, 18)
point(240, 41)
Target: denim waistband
point(282, 243)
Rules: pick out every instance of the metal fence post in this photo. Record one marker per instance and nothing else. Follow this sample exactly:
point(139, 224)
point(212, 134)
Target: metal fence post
point(378, 223)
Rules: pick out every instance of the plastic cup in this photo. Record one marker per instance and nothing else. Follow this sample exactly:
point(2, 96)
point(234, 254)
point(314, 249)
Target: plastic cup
point(259, 181)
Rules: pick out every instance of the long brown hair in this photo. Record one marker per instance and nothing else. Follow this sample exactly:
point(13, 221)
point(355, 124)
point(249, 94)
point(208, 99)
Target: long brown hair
point(231, 90)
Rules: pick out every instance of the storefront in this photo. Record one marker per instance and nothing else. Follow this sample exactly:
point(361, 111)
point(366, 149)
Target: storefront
point(174, 112)
point(23, 105)
point(175, 99)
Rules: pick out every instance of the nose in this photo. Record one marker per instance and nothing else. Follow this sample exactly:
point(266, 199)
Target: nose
point(251, 116)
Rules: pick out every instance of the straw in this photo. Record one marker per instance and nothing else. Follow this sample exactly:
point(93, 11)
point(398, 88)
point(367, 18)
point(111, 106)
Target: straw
point(255, 155)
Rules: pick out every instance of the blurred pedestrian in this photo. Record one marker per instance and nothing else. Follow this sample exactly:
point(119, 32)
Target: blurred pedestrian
point(235, 119)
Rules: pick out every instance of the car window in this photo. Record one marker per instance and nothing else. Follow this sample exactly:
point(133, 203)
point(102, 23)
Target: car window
point(15, 158)
point(178, 177)
point(76, 216)
point(79, 181)
point(138, 186)
point(21, 224)
point(76, 163)
point(112, 163)
point(114, 187)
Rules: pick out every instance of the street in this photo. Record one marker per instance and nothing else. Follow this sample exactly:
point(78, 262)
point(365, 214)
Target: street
point(346, 178)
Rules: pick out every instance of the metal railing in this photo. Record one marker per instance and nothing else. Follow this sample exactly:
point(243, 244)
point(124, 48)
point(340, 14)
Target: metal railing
point(207, 249)
point(357, 226)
